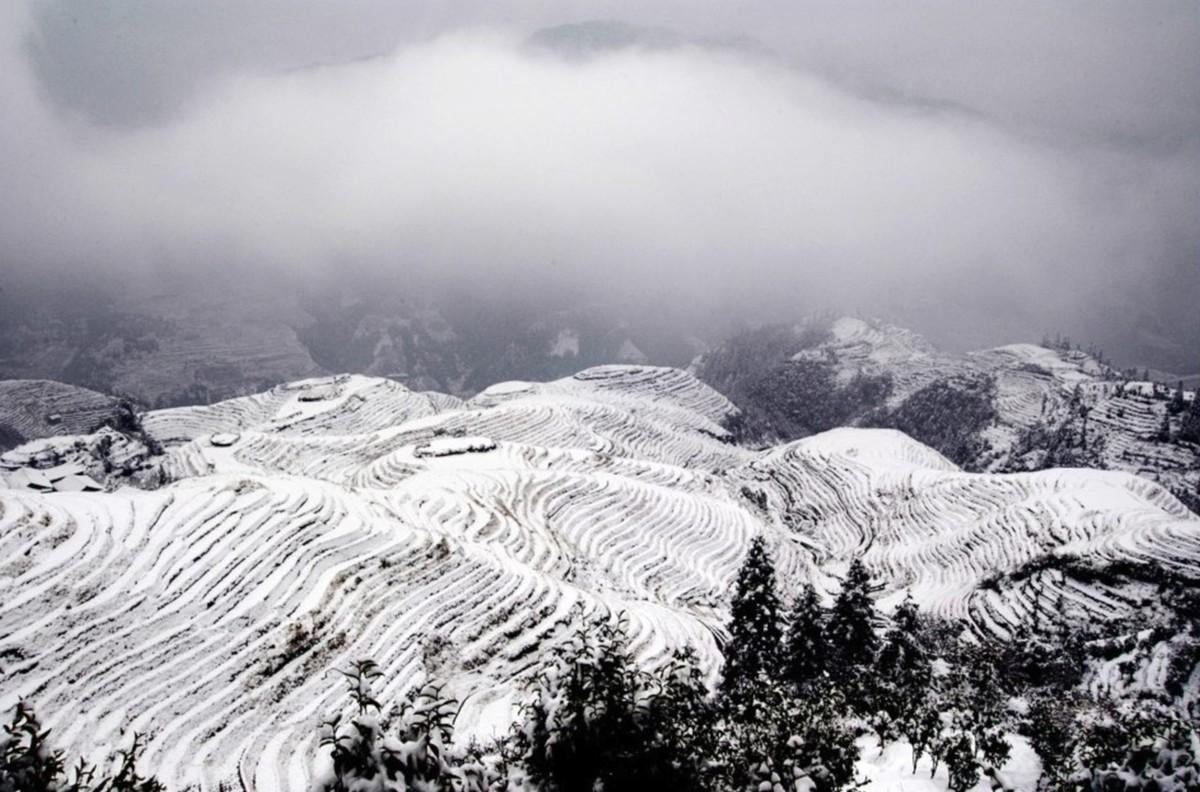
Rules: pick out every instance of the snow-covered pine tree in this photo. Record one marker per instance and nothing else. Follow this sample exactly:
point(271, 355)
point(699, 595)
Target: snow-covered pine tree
point(904, 654)
point(806, 651)
point(975, 713)
point(753, 651)
point(903, 674)
point(766, 733)
point(851, 634)
point(598, 722)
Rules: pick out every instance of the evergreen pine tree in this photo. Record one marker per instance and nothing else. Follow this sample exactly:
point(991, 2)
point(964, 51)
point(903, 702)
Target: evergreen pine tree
point(806, 657)
point(904, 655)
point(767, 734)
point(1189, 428)
point(1164, 430)
point(851, 634)
point(903, 674)
point(1177, 406)
point(753, 651)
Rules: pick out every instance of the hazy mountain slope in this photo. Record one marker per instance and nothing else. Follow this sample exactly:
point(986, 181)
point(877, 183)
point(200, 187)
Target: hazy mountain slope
point(1016, 407)
point(32, 409)
point(348, 517)
point(202, 345)
point(173, 348)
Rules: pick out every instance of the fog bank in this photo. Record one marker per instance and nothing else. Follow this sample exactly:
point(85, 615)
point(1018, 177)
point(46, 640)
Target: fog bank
point(756, 174)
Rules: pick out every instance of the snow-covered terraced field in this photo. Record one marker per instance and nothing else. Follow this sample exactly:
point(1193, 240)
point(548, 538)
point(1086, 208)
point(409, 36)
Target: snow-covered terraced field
point(31, 409)
point(348, 517)
point(922, 526)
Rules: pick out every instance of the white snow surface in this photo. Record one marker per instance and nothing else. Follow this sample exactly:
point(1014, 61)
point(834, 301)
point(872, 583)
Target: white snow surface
point(448, 446)
point(891, 769)
point(617, 489)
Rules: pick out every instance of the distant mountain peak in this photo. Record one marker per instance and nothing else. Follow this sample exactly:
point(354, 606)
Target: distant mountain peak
point(596, 36)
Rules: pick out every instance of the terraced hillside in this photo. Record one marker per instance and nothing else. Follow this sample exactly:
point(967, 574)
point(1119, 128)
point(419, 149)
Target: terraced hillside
point(1016, 407)
point(208, 342)
point(32, 409)
point(339, 518)
point(161, 349)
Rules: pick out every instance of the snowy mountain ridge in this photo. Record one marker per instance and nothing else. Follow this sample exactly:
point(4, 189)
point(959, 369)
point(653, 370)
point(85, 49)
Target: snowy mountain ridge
point(1010, 408)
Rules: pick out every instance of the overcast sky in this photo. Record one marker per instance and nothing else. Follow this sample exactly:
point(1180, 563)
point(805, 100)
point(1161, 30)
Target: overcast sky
point(1005, 166)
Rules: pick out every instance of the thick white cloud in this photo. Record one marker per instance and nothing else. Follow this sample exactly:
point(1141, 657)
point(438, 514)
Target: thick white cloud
point(692, 171)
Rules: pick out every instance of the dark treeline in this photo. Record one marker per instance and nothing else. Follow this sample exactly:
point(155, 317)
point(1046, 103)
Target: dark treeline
point(805, 690)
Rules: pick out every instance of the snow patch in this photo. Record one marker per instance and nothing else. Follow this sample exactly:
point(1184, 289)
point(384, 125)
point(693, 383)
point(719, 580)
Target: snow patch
point(448, 446)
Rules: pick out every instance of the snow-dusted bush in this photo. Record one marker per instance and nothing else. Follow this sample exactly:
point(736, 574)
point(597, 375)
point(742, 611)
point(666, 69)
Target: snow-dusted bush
point(409, 751)
point(29, 764)
point(597, 721)
point(1134, 744)
point(1089, 743)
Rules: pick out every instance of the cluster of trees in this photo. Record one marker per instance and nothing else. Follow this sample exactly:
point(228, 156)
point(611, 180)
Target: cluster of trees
point(801, 397)
point(128, 421)
point(1063, 344)
point(802, 684)
point(912, 681)
point(1189, 412)
point(596, 720)
point(947, 415)
point(783, 397)
point(407, 748)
